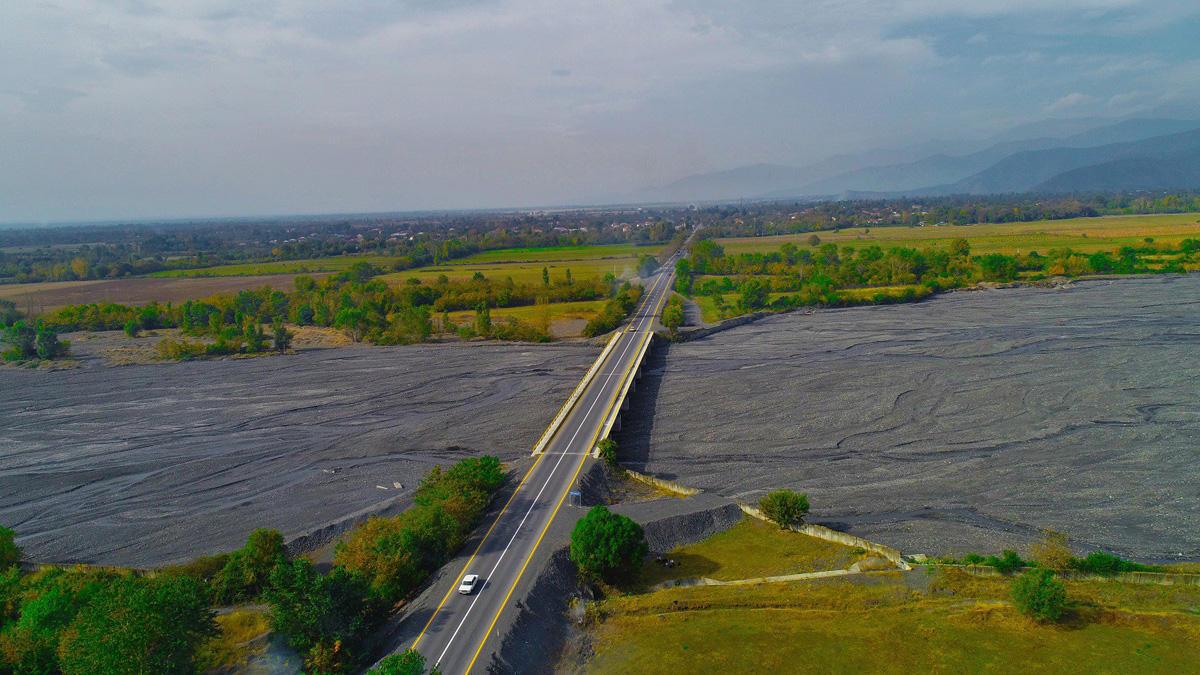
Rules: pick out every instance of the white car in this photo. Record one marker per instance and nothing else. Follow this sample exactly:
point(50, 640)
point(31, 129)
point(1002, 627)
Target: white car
point(468, 584)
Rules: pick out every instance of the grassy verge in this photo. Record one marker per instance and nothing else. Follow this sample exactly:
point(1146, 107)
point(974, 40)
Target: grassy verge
point(894, 622)
point(751, 549)
point(238, 640)
point(551, 317)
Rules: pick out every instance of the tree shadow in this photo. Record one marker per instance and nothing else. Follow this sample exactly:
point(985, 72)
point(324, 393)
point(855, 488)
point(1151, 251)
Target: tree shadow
point(687, 566)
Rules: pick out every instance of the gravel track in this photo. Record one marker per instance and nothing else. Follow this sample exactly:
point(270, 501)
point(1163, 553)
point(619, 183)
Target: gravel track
point(150, 464)
point(964, 422)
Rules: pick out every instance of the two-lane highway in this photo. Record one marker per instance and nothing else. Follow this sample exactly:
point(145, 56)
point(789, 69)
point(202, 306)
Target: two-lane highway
point(459, 631)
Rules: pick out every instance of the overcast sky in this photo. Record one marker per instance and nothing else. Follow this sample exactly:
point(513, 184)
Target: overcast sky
point(130, 109)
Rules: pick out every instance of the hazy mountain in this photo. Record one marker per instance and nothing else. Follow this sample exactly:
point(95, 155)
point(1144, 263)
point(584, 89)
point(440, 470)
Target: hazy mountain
point(1140, 173)
point(944, 169)
point(1026, 171)
point(939, 163)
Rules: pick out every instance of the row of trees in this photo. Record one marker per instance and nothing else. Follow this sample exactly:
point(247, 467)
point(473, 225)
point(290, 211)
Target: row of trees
point(355, 301)
point(816, 274)
point(104, 621)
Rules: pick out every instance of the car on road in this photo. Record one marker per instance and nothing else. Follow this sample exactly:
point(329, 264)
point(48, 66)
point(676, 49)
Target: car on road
point(468, 584)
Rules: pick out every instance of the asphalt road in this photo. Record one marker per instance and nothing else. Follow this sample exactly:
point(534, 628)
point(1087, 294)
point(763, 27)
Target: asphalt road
point(462, 628)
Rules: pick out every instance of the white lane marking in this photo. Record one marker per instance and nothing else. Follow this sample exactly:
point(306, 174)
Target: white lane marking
point(553, 471)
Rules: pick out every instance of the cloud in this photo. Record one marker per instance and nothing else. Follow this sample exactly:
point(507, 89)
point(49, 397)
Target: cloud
point(140, 107)
point(1070, 102)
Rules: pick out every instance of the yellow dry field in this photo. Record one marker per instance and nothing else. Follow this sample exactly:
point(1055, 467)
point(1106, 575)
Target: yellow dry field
point(1085, 235)
point(560, 319)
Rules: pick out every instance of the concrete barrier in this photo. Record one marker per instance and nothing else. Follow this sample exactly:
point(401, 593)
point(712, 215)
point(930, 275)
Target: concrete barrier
point(669, 486)
point(1146, 578)
point(827, 534)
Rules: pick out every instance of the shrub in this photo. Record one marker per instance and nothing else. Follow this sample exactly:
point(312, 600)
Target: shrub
point(247, 570)
point(404, 663)
point(281, 337)
point(972, 559)
point(1007, 563)
point(785, 507)
point(10, 553)
point(52, 599)
point(326, 618)
point(607, 546)
point(1098, 562)
point(608, 452)
point(1052, 551)
point(139, 625)
point(396, 554)
point(1037, 594)
point(133, 328)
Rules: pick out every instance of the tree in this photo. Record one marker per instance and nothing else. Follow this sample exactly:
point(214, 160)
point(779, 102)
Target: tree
point(754, 294)
point(322, 614)
point(256, 338)
point(10, 553)
point(569, 282)
point(49, 346)
point(483, 320)
point(1052, 551)
point(404, 663)
point(281, 337)
point(545, 276)
point(1038, 595)
point(960, 248)
point(138, 625)
point(607, 546)
point(23, 340)
point(133, 328)
point(785, 507)
point(607, 449)
point(814, 241)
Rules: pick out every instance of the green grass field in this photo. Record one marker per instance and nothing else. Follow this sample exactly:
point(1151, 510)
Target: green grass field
point(557, 253)
point(487, 260)
point(748, 550)
point(526, 272)
point(939, 621)
point(1086, 235)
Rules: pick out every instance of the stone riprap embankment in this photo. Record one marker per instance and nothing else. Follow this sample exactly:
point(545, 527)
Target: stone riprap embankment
point(965, 422)
point(150, 464)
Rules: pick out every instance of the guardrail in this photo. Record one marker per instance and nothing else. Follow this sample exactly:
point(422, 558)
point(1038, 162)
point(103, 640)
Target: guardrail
point(548, 434)
point(615, 408)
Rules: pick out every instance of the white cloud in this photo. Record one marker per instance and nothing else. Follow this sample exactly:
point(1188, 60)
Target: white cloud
point(1070, 103)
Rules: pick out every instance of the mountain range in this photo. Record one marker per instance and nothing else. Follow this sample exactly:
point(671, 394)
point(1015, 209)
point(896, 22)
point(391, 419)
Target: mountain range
point(1132, 154)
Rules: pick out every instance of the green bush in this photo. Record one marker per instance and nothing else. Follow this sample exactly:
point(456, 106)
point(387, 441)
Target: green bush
point(49, 602)
point(247, 570)
point(139, 625)
point(326, 618)
point(1007, 563)
point(10, 553)
point(785, 507)
point(607, 546)
point(133, 328)
point(1037, 594)
point(404, 663)
point(396, 554)
point(608, 452)
point(1098, 562)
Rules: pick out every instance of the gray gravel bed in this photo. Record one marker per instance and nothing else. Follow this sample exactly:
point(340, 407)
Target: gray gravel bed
point(152, 464)
point(967, 421)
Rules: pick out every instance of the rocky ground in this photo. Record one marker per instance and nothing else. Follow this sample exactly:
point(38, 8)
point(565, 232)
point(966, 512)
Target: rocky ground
point(965, 422)
point(155, 463)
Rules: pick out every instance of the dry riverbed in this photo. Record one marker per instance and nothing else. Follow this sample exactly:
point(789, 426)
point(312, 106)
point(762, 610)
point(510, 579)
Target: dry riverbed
point(153, 463)
point(965, 422)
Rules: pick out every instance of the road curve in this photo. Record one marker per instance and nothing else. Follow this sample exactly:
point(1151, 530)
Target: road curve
point(460, 631)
